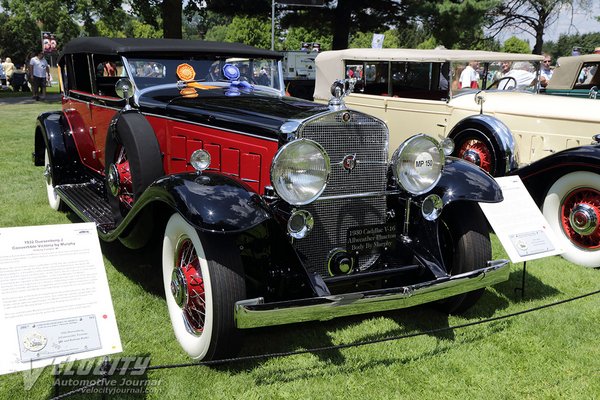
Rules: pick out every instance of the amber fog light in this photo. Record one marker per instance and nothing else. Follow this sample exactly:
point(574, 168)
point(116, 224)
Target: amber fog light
point(200, 160)
point(300, 224)
point(432, 207)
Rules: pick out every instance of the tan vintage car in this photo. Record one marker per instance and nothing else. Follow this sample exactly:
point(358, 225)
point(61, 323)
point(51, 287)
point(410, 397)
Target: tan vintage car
point(490, 105)
point(576, 76)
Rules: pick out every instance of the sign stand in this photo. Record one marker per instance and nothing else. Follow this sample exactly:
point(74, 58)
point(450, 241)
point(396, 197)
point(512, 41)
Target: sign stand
point(522, 288)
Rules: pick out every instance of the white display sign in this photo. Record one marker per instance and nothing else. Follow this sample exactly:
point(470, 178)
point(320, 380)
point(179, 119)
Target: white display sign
point(519, 224)
point(377, 41)
point(55, 304)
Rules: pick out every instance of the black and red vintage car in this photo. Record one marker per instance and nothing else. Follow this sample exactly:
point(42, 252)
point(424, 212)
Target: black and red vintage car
point(272, 209)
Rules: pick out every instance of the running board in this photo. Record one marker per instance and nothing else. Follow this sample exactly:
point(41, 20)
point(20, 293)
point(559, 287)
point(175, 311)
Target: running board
point(87, 201)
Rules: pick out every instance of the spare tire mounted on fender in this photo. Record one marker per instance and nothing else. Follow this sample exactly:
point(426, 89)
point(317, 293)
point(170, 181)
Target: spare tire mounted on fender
point(132, 162)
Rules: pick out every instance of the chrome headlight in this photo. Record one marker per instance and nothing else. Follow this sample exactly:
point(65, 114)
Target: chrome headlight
point(300, 171)
point(417, 164)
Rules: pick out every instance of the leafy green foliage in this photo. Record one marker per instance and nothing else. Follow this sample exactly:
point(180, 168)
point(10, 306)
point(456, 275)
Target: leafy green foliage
point(253, 31)
point(515, 45)
point(295, 36)
point(453, 23)
point(587, 42)
point(362, 40)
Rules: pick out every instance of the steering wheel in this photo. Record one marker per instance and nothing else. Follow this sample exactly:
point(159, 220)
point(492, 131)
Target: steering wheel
point(496, 84)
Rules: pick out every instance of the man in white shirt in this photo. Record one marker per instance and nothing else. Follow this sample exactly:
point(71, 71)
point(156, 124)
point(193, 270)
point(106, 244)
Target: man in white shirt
point(546, 71)
point(39, 71)
point(469, 77)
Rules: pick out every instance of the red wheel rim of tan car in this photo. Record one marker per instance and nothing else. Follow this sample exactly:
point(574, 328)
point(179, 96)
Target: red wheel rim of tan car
point(481, 149)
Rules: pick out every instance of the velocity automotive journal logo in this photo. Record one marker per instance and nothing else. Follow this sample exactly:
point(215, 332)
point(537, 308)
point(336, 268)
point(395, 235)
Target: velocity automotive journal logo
point(126, 375)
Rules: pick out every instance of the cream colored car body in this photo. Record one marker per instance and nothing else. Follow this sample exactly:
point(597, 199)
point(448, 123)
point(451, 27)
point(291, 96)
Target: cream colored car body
point(540, 124)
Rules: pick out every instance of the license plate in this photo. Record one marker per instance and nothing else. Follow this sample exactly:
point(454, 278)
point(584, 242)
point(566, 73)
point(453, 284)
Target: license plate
point(370, 238)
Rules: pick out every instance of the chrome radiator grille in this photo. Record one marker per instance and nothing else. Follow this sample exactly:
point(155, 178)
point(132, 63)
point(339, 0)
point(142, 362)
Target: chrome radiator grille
point(366, 138)
point(362, 136)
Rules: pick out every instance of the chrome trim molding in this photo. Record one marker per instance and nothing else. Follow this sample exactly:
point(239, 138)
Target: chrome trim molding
point(359, 195)
point(253, 313)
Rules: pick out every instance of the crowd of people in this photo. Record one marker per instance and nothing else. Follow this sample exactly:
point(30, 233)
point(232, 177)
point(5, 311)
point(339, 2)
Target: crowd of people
point(32, 75)
point(510, 75)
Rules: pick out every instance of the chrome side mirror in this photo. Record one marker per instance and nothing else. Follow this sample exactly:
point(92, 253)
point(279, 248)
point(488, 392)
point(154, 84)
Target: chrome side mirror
point(124, 88)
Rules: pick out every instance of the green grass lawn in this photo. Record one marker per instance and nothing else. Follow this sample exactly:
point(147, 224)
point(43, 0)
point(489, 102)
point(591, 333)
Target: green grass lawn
point(549, 354)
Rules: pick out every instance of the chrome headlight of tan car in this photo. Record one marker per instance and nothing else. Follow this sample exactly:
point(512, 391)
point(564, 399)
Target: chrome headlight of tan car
point(417, 164)
point(300, 171)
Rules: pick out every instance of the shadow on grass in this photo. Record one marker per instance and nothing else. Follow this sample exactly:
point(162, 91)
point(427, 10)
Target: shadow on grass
point(423, 319)
point(141, 266)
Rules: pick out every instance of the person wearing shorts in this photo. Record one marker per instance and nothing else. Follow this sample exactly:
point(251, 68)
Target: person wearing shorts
point(38, 73)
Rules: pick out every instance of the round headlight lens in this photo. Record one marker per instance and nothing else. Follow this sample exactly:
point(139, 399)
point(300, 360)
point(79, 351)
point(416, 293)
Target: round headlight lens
point(418, 164)
point(300, 171)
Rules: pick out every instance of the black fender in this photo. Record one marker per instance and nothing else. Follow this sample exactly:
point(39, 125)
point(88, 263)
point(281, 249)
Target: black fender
point(496, 133)
point(223, 209)
point(210, 201)
point(540, 175)
point(462, 180)
point(52, 132)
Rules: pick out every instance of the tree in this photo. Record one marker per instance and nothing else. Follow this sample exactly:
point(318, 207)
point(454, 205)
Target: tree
point(362, 40)
point(340, 18)
point(587, 42)
point(452, 23)
point(531, 16)
point(295, 36)
point(252, 31)
point(515, 45)
point(23, 22)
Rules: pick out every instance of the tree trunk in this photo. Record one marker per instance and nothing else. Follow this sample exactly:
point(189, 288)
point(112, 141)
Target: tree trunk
point(341, 24)
point(172, 11)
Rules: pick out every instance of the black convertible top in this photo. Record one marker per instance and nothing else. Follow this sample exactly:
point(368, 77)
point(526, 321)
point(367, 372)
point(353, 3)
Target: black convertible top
point(104, 45)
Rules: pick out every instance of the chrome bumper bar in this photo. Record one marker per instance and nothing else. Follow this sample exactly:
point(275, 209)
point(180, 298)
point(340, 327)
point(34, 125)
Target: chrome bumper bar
point(253, 313)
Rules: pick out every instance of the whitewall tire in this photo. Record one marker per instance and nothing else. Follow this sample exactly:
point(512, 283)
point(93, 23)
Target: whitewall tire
point(200, 293)
point(572, 209)
point(53, 199)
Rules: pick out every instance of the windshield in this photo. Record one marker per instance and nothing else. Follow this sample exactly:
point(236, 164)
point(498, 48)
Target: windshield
point(147, 72)
point(501, 75)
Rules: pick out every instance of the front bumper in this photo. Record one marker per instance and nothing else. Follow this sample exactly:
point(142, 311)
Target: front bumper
point(253, 313)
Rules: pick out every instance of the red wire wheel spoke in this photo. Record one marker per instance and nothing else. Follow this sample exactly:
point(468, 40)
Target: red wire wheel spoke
point(194, 309)
point(482, 151)
point(125, 182)
point(583, 206)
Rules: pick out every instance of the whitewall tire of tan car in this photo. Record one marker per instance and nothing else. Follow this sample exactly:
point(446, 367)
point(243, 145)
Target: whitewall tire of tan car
point(572, 209)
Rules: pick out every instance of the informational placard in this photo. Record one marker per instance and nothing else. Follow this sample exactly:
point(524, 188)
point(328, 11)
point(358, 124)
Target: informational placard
point(519, 223)
point(55, 303)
